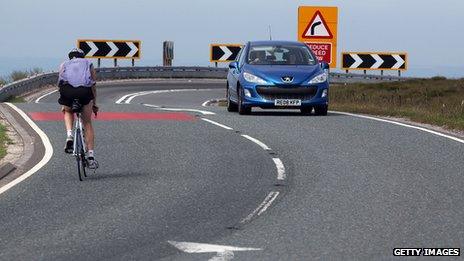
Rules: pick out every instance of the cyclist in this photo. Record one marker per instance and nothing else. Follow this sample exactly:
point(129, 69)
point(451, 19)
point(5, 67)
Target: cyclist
point(77, 80)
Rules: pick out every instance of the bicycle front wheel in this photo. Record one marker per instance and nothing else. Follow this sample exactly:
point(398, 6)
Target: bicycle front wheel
point(80, 169)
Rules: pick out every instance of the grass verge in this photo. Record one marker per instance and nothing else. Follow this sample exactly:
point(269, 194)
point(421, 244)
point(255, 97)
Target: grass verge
point(4, 141)
point(15, 99)
point(436, 101)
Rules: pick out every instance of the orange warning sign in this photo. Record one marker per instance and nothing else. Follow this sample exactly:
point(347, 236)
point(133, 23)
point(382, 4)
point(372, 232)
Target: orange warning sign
point(317, 27)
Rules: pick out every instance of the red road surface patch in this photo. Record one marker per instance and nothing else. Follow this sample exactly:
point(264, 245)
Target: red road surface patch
point(119, 116)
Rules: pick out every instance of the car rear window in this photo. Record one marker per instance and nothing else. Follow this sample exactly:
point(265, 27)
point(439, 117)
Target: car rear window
point(280, 55)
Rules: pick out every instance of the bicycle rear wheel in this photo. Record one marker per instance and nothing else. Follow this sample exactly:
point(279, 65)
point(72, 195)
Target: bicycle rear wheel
point(84, 163)
point(80, 156)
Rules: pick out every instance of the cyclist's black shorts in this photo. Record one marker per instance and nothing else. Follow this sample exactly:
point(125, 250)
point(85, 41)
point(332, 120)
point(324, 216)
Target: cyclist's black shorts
point(68, 93)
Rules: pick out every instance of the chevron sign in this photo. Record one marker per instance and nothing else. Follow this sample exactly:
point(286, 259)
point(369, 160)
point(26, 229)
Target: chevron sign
point(110, 49)
point(224, 52)
point(374, 61)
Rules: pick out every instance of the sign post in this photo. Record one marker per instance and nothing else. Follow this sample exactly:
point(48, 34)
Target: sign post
point(317, 27)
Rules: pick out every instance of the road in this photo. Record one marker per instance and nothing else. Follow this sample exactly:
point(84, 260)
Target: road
point(348, 187)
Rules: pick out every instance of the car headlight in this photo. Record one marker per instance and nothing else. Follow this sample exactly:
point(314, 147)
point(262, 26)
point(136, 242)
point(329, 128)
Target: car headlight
point(253, 78)
point(319, 78)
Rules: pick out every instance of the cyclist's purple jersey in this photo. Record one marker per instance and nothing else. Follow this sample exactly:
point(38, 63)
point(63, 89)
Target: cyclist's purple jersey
point(76, 72)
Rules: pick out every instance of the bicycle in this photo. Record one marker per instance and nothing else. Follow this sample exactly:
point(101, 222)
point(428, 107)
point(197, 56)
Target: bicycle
point(79, 148)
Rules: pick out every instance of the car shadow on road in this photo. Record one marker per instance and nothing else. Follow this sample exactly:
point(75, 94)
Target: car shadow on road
point(290, 113)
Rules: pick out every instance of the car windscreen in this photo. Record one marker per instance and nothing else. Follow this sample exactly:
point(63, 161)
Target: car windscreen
point(280, 55)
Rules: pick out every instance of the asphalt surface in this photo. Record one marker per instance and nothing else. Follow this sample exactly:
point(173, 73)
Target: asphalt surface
point(355, 188)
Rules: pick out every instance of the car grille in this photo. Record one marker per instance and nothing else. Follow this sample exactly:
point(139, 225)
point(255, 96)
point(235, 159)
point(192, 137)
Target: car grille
point(272, 93)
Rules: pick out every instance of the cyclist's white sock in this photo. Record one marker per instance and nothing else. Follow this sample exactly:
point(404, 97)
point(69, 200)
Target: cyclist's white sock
point(90, 153)
point(69, 133)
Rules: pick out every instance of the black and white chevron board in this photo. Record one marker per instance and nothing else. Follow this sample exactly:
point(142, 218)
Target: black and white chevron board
point(224, 52)
point(110, 49)
point(374, 61)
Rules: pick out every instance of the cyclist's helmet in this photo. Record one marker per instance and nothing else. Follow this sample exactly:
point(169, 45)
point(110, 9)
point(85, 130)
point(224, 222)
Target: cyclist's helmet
point(76, 53)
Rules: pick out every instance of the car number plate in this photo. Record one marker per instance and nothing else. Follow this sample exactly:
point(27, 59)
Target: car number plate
point(287, 102)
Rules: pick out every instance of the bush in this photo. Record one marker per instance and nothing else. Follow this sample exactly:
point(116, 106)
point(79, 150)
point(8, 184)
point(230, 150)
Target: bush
point(438, 78)
point(4, 140)
point(3, 81)
point(35, 70)
point(18, 75)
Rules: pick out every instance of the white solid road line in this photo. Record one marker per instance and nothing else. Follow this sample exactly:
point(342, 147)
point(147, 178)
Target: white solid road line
point(43, 96)
point(180, 109)
point(217, 124)
point(47, 155)
point(258, 142)
point(223, 253)
point(126, 99)
point(262, 207)
point(120, 100)
point(280, 169)
point(401, 124)
point(271, 197)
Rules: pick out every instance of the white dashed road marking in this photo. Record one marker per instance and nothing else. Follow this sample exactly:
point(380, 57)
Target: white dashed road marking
point(280, 169)
point(217, 124)
point(256, 141)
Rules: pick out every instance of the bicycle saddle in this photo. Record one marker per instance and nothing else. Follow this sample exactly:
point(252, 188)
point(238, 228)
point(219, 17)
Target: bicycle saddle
point(76, 106)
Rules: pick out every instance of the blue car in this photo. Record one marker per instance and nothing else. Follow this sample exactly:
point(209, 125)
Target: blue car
point(277, 74)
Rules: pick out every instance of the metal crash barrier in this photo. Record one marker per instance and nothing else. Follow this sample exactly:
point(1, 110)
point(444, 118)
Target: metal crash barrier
point(118, 73)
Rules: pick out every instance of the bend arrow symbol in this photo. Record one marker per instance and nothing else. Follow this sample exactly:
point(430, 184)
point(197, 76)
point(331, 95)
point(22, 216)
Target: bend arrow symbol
point(134, 49)
point(93, 48)
point(399, 61)
point(227, 53)
point(378, 61)
point(113, 47)
point(222, 252)
point(357, 61)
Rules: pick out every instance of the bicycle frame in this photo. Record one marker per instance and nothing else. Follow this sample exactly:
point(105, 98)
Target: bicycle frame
point(78, 131)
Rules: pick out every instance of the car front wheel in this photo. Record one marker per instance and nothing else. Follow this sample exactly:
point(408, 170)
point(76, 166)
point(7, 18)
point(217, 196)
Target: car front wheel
point(231, 106)
point(242, 109)
point(306, 110)
point(321, 110)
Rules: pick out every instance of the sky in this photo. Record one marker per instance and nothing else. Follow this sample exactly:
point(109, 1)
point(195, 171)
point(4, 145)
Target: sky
point(40, 33)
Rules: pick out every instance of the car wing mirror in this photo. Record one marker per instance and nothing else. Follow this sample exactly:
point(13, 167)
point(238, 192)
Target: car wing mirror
point(324, 66)
point(233, 65)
